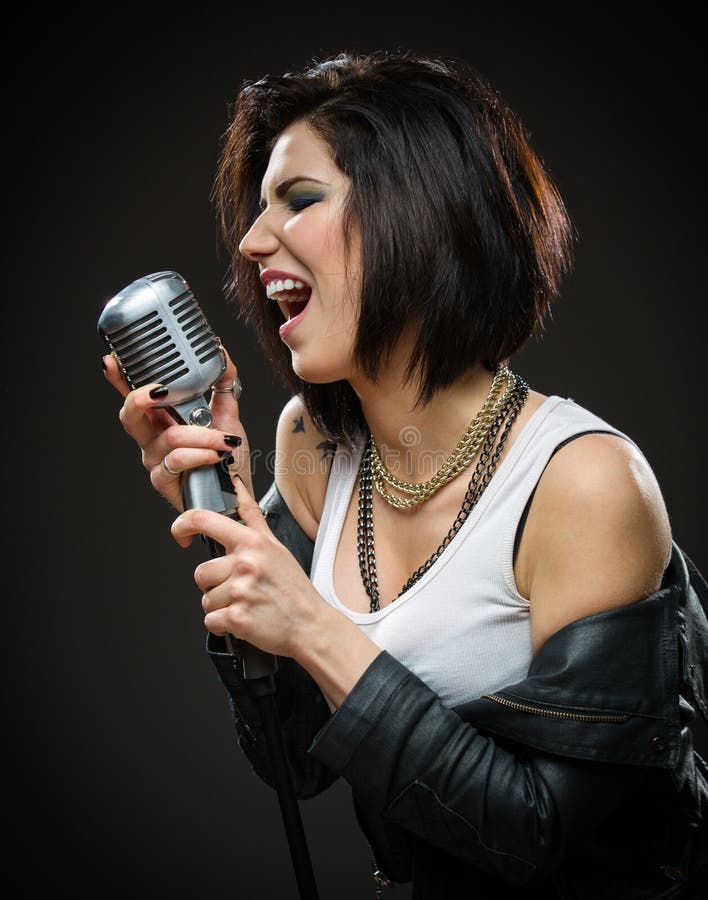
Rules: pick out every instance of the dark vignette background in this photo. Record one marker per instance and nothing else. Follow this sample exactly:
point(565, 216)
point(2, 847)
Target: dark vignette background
point(123, 777)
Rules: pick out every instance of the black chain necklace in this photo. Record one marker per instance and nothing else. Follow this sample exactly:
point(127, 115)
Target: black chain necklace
point(482, 475)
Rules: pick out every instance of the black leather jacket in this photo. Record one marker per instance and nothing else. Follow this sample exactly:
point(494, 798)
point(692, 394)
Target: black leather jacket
point(579, 782)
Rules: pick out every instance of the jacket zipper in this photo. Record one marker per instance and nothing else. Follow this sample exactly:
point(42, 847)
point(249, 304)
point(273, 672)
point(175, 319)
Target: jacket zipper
point(380, 879)
point(608, 718)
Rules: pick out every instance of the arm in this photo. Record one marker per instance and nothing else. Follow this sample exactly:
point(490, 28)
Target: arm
point(598, 541)
point(302, 709)
point(492, 803)
point(597, 535)
point(392, 738)
point(303, 458)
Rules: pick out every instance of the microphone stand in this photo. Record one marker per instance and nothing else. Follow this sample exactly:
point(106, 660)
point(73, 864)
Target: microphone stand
point(258, 670)
point(209, 487)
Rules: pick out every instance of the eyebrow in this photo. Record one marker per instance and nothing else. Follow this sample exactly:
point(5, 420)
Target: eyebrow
point(283, 187)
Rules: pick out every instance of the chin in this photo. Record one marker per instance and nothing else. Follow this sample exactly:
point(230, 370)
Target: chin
point(317, 371)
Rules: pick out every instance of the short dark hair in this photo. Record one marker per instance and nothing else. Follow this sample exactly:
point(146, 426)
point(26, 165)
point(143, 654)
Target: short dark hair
point(463, 231)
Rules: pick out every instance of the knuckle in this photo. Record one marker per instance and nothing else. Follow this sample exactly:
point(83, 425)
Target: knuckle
point(236, 618)
point(258, 542)
point(176, 461)
point(173, 437)
point(247, 566)
point(199, 519)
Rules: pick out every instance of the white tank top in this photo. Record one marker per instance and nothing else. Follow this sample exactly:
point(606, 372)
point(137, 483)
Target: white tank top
point(463, 628)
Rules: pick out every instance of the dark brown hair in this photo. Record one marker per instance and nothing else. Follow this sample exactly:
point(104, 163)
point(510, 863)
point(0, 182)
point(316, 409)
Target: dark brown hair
point(463, 232)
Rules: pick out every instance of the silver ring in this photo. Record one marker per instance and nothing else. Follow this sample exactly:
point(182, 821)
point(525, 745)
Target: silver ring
point(167, 468)
point(236, 389)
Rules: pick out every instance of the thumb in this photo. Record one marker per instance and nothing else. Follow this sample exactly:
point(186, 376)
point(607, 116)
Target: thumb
point(248, 509)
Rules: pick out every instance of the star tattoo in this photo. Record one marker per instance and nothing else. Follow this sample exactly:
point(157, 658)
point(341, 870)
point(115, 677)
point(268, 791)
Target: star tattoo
point(327, 448)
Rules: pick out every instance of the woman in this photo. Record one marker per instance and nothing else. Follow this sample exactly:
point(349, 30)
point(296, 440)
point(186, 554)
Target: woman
point(472, 587)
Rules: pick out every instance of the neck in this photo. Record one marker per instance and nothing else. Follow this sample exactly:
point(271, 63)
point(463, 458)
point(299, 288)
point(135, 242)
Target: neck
point(415, 441)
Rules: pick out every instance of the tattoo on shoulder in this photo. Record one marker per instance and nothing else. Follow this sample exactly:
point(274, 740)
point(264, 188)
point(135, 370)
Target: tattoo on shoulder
point(327, 448)
point(299, 424)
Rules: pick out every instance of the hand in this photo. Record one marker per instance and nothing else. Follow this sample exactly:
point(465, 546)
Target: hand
point(257, 591)
point(181, 446)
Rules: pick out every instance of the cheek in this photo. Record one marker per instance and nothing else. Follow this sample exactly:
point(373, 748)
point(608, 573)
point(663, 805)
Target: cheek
point(318, 243)
point(312, 237)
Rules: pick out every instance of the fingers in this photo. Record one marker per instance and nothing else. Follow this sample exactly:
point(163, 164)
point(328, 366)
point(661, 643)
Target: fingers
point(214, 525)
point(230, 372)
point(248, 509)
point(142, 416)
point(167, 468)
point(114, 376)
point(223, 403)
point(213, 573)
point(188, 446)
point(222, 529)
point(138, 403)
point(169, 449)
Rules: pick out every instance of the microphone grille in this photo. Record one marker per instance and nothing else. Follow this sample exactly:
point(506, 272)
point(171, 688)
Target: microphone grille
point(159, 333)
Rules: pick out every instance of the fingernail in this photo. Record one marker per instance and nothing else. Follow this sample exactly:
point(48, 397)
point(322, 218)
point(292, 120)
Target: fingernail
point(103, 363)
point(233, 440)
point(227, 458)
point(158, 392)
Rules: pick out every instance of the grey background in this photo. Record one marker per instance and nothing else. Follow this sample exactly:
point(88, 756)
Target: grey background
point(123, 777)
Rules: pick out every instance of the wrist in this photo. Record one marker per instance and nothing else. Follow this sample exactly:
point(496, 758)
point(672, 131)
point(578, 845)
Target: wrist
point(335, 652)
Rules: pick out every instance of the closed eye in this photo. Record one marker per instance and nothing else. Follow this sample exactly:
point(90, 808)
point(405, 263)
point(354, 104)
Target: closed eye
point(297, 204)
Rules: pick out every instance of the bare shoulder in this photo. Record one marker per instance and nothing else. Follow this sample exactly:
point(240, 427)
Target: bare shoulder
point(599, 533)
point(303, 459)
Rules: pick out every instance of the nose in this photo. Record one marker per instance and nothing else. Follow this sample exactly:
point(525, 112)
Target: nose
point(259, 240)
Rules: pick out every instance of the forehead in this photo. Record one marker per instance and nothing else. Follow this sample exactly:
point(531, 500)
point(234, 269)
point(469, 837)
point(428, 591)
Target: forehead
point(300, 150)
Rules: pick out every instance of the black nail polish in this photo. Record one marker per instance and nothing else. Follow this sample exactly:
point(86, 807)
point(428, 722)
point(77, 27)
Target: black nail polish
point(158, 392)
point(103, 363)
point(228, 458)
point(233, 440)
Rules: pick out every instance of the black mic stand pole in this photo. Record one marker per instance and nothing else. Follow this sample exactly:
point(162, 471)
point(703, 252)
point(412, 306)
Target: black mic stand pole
point(258, 668)
point(210, 487)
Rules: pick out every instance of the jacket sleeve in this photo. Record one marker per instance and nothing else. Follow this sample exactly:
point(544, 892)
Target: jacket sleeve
point(476, 797)
point(302, 708)
point(513, 782)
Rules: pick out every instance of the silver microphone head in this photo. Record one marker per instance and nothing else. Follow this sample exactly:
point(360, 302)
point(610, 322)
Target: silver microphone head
point(158, 333)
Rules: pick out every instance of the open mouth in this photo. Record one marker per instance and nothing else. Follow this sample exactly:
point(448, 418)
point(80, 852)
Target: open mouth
point(295, 307)
point(291, 295)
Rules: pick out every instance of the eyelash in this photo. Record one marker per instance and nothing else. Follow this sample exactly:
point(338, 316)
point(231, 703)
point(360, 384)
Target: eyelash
point(297, 204)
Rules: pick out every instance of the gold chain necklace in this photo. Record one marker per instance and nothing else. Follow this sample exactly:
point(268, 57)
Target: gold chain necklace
point(458, 460)
point(482, 475)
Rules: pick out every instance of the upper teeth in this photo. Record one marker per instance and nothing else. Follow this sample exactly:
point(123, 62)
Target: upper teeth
point(275, 287)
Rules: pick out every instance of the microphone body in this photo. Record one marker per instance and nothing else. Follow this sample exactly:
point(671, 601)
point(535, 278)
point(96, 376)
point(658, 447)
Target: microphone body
point(157, 332)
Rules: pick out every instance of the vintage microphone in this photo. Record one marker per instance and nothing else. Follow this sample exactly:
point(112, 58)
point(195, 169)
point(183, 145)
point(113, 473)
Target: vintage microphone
point(157, 332)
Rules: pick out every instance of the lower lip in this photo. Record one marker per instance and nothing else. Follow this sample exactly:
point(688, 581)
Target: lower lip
point(286, 328)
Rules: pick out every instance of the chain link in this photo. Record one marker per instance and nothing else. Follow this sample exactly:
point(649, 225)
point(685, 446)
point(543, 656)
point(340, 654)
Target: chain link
point(458, 460)
point(482, 475)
